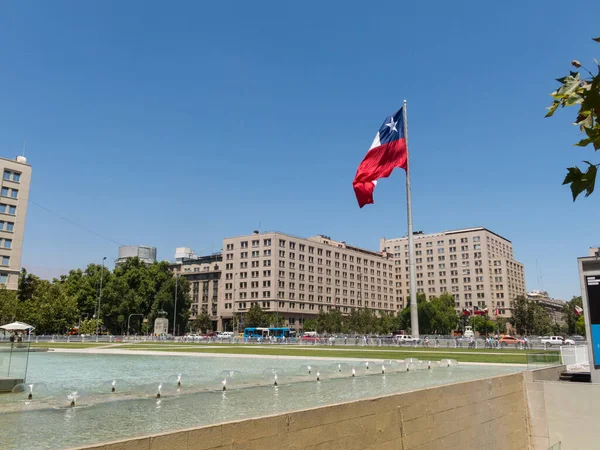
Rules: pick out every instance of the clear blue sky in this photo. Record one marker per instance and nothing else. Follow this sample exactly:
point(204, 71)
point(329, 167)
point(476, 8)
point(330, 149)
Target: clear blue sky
point(178, 123)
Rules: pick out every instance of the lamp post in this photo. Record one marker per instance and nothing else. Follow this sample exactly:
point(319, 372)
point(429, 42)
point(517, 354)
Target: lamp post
point(233, 318)
point(99, 298)
point(175, 308)
point(129, 318)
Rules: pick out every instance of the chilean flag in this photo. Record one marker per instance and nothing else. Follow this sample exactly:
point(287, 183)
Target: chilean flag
point(387, 152)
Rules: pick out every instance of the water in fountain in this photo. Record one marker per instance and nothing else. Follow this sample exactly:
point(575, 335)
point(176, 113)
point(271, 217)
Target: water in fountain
point(115, 385)
point(30, 391)
point(176, 382)
point(73, 398)
point(411, 360)
point(392, 366)
point(229, 379)
point(412, 367)
point(274, 376)
point(338, 370)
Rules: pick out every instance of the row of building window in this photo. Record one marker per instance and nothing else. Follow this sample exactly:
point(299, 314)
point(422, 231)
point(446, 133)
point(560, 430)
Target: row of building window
point(8, 209)
point(11, 175)
point(301, 248)
point(9, 192)
point(7, 226)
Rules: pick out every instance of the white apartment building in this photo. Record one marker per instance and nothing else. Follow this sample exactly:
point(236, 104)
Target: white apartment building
point(298, 277)
point(475, 265)
point(14, 195)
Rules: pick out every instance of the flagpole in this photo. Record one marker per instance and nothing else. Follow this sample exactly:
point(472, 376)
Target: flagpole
point(414, 314)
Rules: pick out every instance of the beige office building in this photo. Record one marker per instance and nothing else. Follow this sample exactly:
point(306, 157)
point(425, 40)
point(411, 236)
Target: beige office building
point(13, 211)
point(297, 277)
point(475, 265)
point(203, 274)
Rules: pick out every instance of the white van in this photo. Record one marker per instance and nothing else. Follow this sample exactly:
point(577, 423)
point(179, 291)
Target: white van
point(225, 335)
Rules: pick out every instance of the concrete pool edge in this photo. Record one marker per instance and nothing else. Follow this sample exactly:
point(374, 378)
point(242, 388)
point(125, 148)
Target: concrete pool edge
point(486, 412)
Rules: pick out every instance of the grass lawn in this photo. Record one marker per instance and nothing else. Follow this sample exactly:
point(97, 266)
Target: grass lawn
point(375, 353)
point(67, 344)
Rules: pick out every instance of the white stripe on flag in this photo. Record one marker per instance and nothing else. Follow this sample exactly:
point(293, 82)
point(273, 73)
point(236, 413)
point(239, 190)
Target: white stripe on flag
point(376, 142)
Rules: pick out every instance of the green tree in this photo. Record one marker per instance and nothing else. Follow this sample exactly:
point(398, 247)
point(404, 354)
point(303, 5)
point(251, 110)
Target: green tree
point(8, 305)
point(385, 323)
point(165, 301)
point(329, 322)
point(28, 283)
point(275, 320)
point(499, 326)
point(50, 310)
point(202, 322)
point(569, 315)
point(581, 326)
point(529, 317)
point(256, 317)
point(89, 326)
point(585, 92)
point(482, 324)
point(310, 325)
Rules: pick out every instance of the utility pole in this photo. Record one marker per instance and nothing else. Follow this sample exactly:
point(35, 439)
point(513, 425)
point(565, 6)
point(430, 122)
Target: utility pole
point(99, 298)
point(175, 308)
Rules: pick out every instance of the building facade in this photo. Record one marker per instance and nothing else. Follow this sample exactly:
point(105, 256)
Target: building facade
point(553, 306)
point(144, 253)
point(475, 265)
point(296, 278)
point(14, 195)
point(204, 275)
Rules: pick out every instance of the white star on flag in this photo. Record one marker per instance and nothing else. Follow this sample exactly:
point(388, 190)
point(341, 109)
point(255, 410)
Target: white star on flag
point(392, 125)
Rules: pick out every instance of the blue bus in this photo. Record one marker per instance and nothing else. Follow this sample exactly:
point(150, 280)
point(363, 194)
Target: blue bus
point(281, 333)
point(256, 332)
point(277, 334)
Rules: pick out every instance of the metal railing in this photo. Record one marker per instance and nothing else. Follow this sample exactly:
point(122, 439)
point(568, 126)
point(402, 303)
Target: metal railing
point(541, 360)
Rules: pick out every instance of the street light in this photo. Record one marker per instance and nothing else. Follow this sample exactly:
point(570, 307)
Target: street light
point(99, 298)
point(130, 315)
point(175, 308)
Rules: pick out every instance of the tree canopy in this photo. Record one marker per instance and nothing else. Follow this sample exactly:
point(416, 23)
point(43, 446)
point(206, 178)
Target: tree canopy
point(57, 306)
point(583, 91)
point(569, 315)
point(530, 318)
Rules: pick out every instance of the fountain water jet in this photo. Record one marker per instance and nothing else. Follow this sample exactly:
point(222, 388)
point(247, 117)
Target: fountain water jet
point(73, 397)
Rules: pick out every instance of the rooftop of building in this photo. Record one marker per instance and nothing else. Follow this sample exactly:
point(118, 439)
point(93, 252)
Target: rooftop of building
point(421, 235)
point(320, 239)
point(199, 259)
point(21, 160)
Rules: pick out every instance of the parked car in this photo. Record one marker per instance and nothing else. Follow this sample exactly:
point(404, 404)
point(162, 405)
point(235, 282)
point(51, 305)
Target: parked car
point(556, 340)
point(509, 340)
point(407, 339)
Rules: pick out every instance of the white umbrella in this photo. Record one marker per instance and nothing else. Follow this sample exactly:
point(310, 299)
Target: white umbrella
point(17, 326)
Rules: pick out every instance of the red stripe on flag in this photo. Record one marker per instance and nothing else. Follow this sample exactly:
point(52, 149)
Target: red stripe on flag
point(378, 163)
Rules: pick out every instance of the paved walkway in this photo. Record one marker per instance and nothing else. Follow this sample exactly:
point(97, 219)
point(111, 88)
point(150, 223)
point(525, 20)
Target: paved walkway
point(117, 351)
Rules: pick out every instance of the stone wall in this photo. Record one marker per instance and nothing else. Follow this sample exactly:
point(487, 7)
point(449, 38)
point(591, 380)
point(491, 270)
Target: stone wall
point(482, 414)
